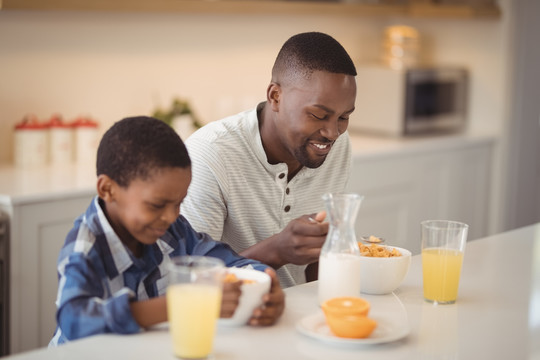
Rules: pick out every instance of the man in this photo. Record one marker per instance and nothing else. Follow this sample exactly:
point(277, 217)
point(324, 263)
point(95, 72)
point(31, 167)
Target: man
point(258, 176)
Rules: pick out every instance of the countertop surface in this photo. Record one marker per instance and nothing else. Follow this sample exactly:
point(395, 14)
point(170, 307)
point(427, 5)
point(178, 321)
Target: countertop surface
point(496, 316)
point(374, 147)
point(45, 182)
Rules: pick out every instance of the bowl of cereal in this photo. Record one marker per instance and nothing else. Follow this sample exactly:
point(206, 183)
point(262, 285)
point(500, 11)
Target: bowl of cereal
point(254, 285)
point(382, 268)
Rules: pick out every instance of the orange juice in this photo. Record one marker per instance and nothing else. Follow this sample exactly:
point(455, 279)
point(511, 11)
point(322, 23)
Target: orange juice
point(441, 269)
point(193, 310)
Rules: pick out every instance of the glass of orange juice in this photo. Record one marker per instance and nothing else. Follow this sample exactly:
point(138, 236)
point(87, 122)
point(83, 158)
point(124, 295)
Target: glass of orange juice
point(443, 247)
point(193, 304)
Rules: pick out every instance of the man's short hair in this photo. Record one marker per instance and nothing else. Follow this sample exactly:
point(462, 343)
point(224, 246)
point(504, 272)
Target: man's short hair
point(134, 147)
point(305, 53)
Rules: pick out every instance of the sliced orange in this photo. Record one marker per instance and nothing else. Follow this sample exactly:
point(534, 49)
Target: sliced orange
point(346, 305)
point(351, 326)
point(347, 317)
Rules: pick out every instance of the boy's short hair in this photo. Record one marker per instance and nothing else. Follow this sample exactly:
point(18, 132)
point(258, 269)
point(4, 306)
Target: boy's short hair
point(135, 146)
point(305, 53)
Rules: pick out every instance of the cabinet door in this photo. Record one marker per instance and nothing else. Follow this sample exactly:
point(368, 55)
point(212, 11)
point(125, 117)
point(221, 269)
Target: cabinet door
point(404, 189)
point(390, 188)
point(469, 183)
point(39, 233)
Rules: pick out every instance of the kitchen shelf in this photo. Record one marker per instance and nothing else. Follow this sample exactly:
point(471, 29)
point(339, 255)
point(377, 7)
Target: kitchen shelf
point(418, 8)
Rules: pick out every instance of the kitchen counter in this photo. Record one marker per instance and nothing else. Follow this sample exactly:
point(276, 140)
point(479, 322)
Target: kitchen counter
point(496, 316)
point(372, 147)
point(19, 185)
point(41, 183)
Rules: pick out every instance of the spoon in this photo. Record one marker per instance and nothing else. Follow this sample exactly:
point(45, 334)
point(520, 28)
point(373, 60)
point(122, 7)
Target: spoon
point(372, 239)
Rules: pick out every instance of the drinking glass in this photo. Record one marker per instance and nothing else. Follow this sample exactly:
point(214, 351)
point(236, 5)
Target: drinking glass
point(193, 304)
point(443, 247)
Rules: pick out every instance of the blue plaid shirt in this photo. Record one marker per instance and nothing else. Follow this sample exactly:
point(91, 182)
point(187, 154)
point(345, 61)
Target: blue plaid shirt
point(99, 276)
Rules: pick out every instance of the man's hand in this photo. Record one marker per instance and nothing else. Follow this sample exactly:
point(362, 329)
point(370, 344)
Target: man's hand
point(299, 243)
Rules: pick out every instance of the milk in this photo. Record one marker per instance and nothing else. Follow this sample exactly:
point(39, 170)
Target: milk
point(339, 275)
point(339, 262)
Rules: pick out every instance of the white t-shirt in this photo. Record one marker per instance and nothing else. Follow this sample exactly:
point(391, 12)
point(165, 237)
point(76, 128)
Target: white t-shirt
point(236, 196)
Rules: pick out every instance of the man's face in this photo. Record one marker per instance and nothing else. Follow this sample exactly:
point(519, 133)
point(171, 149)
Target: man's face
point(143, 211)
point(313, 114)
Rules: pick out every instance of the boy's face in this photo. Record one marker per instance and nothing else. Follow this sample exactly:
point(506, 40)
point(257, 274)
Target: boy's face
point(143, 211)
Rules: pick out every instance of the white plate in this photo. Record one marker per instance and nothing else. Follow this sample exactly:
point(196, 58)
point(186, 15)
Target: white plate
point(388, 329)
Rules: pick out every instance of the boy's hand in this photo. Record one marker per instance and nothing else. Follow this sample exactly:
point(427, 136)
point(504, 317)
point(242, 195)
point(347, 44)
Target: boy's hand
point(273, 303)
point(230, 298)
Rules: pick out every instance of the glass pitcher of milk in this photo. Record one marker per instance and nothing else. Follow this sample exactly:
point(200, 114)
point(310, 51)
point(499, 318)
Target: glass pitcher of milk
point(339, 262)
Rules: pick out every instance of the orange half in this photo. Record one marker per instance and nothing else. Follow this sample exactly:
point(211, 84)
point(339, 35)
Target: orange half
point(346, 305)
point(351, 326)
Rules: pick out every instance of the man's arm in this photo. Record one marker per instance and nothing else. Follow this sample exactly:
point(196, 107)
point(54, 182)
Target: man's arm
point(299, 243)
point(204, 206)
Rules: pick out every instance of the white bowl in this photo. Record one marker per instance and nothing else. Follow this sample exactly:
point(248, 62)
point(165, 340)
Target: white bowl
point(251, 297)
point(379, 275)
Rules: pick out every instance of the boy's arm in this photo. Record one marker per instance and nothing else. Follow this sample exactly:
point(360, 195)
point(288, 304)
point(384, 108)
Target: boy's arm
point(149, 312)
point(85, 308)
point(198, 243)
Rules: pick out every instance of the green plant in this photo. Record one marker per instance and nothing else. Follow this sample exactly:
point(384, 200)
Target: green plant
point(178, 107)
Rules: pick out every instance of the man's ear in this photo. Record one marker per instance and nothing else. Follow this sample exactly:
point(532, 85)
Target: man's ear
point(273, 95)
point(106, 187)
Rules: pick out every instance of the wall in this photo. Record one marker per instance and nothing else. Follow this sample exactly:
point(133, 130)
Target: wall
point(114, 65)
point(522, 160)
point(110, 65)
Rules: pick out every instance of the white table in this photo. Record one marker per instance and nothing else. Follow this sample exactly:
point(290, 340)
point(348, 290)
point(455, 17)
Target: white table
point(497, 316)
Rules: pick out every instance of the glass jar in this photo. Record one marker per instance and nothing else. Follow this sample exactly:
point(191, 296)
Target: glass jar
point(339, 262)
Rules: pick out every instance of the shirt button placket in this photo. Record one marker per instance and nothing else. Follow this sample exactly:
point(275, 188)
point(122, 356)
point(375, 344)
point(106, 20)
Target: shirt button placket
point(287, 208)
point(281, 179)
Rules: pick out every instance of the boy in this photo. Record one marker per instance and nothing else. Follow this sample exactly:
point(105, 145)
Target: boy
point(112, 267)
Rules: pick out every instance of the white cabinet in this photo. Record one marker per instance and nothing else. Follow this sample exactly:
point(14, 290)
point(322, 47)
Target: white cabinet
point(446, 180)
point(38, 232)
point(42, 206)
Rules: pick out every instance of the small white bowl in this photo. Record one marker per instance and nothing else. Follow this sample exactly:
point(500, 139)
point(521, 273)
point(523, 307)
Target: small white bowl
point(251, 297)
point(379, 275)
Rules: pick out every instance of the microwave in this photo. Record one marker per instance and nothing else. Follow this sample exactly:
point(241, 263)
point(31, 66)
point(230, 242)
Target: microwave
point(410, 101)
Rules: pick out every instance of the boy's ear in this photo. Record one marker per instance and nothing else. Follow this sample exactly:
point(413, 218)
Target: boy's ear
point(105, 187)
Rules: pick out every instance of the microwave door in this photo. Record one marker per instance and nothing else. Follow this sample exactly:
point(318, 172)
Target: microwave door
point(434, 104)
